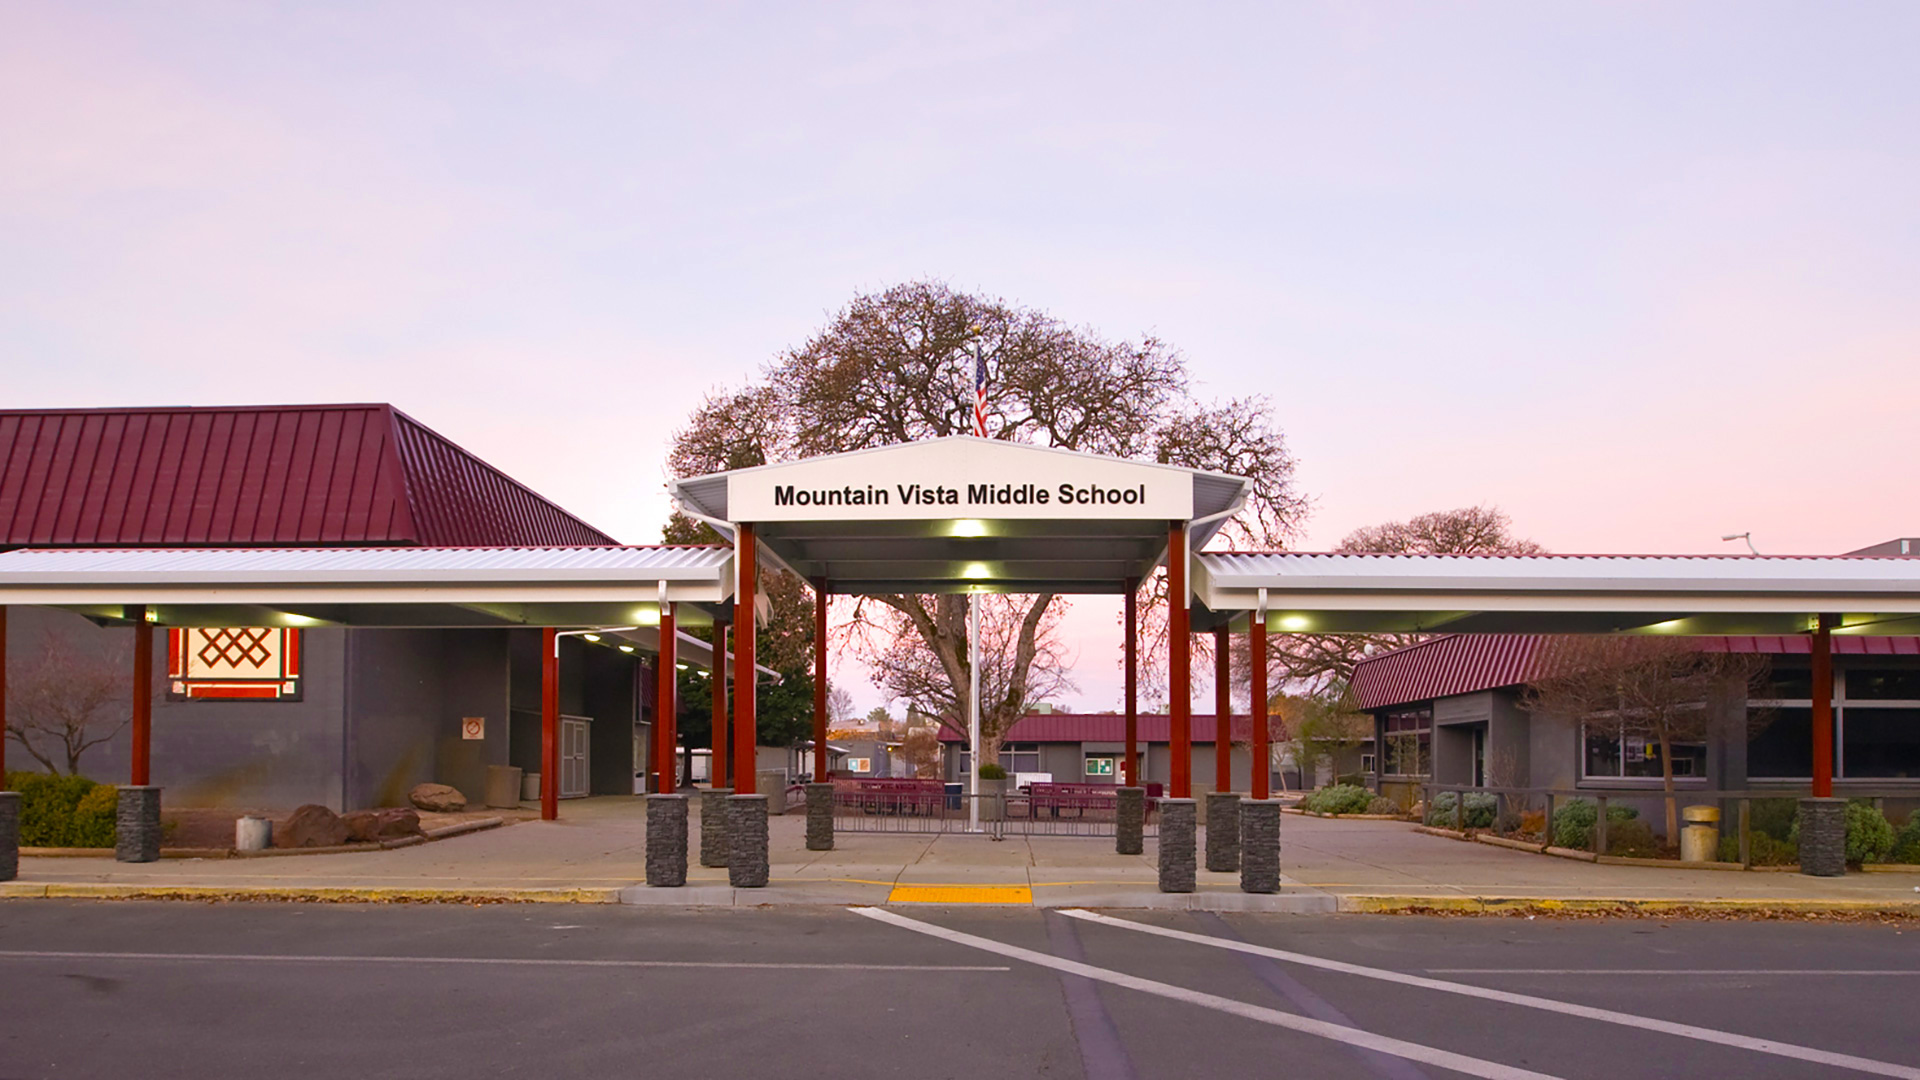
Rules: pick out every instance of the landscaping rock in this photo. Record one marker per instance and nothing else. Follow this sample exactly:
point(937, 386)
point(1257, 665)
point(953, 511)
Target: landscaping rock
point(388, 824)
point(438, 798)
point(310, 826)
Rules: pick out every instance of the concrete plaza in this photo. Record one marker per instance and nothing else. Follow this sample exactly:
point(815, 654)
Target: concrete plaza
point(596, 853)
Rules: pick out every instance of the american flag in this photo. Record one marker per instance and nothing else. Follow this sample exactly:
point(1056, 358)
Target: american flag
point(979, 395)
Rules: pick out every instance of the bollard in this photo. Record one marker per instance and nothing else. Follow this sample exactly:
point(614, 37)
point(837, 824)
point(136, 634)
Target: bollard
point(747, 841)
point(1823, 837)
point(1223, 832)
point(667, 840)
point(1130, 820)
point(9, 835)
point(1260, 846)
point(136, 824)
point(820, 817)
point(1700, 839)
point(252, 834)
point(1176, 845)
point(713, 826)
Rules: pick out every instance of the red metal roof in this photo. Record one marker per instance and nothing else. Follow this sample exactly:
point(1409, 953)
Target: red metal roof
point(1469, 663)
point(1106, 727)
point(297, 475)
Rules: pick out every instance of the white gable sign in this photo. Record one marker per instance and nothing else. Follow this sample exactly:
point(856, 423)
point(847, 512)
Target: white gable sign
point(960, 478)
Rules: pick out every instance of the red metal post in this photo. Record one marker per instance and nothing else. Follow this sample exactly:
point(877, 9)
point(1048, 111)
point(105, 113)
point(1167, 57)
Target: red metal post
point(746, 734)
point(1131, 764)
point(1257, 701)
point(142, 701)
point(719, 763)
point(1179, 665)
point(1823, 706)
point(820, 680)
point(3, 697)
point(666, 707)
point(1222, 710)
point(549, 724)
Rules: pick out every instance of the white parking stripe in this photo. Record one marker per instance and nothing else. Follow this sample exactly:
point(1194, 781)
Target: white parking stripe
point(1444, 1059)
point(272, 958)
point(1585, 1012)
point(1667, 973)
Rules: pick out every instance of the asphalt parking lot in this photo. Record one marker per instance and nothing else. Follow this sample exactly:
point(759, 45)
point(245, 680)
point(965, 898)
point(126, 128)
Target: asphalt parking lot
point(196, 990)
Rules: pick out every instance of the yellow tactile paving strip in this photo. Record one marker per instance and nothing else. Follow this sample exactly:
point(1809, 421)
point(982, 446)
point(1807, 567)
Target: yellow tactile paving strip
point(960, 894)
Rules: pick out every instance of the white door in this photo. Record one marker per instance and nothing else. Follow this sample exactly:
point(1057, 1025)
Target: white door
point(574, 772)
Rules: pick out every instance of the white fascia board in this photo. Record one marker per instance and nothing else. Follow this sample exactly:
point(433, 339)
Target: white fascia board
point(1282, 599)
point(645, 594)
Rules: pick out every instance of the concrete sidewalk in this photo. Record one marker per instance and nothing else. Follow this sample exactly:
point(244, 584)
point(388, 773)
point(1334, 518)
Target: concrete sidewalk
point(596, 853)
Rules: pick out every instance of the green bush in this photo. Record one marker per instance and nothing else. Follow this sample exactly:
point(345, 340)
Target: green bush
point(1476, 814)
point(1383, 806)
point(1631, 838)
point(1906, 845)
point(63, 811)
point(1573, 823)
point(1766, 850)
point(1338, 799)
point(1775, 817)
point(992, 771)
point(1870, 837)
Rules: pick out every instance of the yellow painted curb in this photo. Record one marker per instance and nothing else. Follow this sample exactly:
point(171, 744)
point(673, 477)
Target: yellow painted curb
point(314, 894)
point(1403, 905)
point(20, 890)
point(960, 894)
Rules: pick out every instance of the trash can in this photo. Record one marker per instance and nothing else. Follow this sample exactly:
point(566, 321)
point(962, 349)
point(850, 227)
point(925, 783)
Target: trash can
point(503, 786)
point(530, 787)
point(252, 834)
point(1700, 837)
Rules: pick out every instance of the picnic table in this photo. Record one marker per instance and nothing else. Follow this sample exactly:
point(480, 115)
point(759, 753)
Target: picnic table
point(1079, 798)
point(890, 795)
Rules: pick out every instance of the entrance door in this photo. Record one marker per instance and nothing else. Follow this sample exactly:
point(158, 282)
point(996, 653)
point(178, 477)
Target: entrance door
point(575, 775)
point(1479, 757)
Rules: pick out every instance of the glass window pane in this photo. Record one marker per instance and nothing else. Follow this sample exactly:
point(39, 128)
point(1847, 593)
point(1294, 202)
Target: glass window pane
point(1780, 742)
point(1883, 685)
point(1788, 684)
point(1882, 742)
point(1640, 756)
point(1603, 753)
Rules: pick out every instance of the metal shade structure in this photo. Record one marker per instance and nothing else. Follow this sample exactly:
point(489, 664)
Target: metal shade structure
point(1685, 595)
point(963, 514)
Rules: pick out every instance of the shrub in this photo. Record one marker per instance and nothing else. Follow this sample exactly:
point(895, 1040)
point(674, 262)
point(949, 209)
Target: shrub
point(1573, 823)
point(1383, 806)
point(1338, 799)
point(63, 811)
point(1906, 845)
point(1631, 837)
point(1766, 850)
point(1775, 817)
point(992, 771)
point(1870, 837)
point(1476, 814)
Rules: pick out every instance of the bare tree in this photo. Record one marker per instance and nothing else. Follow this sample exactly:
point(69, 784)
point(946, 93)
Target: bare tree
point(68, 700)
point(1316, 726)
point(1660, 689)
point(897, 366)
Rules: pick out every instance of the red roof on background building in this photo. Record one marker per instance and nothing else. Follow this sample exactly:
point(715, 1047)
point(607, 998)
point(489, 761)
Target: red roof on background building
point(1469, 663)
point(296, 475)
point(1106, 727)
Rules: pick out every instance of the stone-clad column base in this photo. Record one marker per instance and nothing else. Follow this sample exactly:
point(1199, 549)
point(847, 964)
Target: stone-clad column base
point(1823, 837)
point(1260, 846)
point(1176, 845)
point(1223, 832)
point(713, 826)
point(819, 817)
point(136, 824)
point(9, 835)
point(747, 841)
point(1130, 821)
point(667, 840)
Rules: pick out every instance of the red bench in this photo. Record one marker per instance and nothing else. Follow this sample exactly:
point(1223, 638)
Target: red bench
point(890, 795)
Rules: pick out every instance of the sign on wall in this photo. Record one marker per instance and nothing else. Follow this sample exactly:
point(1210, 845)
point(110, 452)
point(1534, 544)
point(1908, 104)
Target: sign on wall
point(960, 478)
point(473, 727)
point(258, 663)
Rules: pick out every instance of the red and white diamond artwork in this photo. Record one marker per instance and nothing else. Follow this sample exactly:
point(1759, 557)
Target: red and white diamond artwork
point(254, 662)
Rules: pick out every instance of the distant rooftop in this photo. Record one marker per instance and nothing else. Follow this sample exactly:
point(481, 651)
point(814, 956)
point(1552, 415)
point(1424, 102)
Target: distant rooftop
point(1905, 545)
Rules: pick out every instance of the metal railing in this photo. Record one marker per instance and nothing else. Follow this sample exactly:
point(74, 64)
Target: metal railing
point(1011, 814)
point(1513, 805)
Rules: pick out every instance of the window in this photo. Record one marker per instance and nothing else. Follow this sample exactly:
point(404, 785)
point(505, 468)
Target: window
point(1021, 758)
point(1882, 743)
point(1409, 742)
point(1876, 719)
point(1610, 754)
point(1366, 763)
point(1780, 741)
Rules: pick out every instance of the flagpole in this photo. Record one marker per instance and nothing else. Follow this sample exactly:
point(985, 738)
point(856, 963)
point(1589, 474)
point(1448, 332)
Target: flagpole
point(973, 608)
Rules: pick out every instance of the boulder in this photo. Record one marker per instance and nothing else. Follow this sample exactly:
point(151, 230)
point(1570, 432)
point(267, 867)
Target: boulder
point(438, 798)
point(389, 824)
point(310, 826)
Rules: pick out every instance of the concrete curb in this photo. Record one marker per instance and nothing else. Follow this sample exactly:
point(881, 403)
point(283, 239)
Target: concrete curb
point(1492, 905)
point(322, 894)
